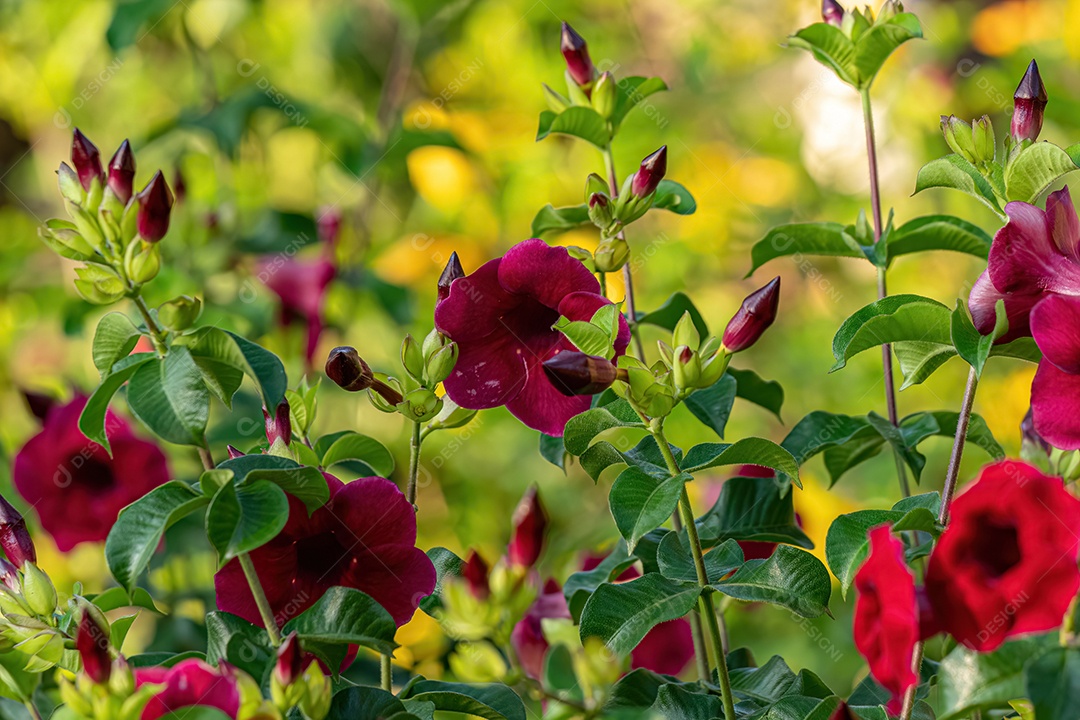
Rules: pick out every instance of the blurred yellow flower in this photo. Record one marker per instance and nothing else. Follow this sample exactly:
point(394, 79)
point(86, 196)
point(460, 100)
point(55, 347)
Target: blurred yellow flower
point(418, 259)
point(421, 641)
point(442, 176)
point(1002, 29)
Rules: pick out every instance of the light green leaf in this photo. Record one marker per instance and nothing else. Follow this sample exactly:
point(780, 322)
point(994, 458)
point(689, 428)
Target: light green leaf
point(828, 239)
point(630, 91)
point(939, 232)
point(114, 339)
point(1030, 173)
point(92, 419)
point(579, 121)
point(551, 219)
point(897, 318)
point(953, 171)
point(360, 448)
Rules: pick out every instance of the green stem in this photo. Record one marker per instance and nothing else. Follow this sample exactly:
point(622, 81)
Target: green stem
point(705, 601)
point(883, 292)
point(414, 464)
point(697, 635)
point(32, 710)
point(628, 277)
point(386, 674)
point(265, 612)
point(602, 277)
point(157, 335)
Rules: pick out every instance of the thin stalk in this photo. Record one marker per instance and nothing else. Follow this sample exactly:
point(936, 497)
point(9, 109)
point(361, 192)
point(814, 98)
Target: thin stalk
point(628, 277)
point(602, 277)
point(886, 350)
point(705, 601)
point(962, 423)
point(701, 659)
point(265, 612)
point(414, 464)
point(205, 456)
point(909, 697)
point(156, 333)
point(386, 674)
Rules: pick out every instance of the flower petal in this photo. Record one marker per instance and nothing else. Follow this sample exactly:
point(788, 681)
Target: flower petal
point(1055, 324)
point(474, 305)
point(983, 302)
point(489, 372)
point(666, 649)
point(1055, 407)
point(1023, 257)
point(540, 406)
point(545, 273)
point(376, 514)
point(398, 577)
point(1062, 223)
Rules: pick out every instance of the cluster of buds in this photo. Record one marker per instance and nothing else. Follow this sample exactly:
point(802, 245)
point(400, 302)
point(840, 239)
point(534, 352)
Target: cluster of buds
point(485, 602)
point(27, 595)
point(856, 21)
point(298, 681)
point(112, 229)
point(973, 141)
point(611, 215)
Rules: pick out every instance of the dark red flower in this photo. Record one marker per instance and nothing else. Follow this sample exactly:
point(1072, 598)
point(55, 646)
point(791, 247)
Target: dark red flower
point(92, 642)
point(832, 12)
point(363, 538)
point(886, 623)
point(527, 636)
point(1006, 563)
point(74, 486)
point(475, 571)
point(301, 287)
point(188, 683)
point(530, 525)
point(501, 317)
point(576, 54)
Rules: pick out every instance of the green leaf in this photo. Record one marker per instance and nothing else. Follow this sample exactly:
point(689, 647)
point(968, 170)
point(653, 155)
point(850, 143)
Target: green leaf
point(894, 319)
point(259, 364)
point(768, 394)
point(354, 702)
point(621, 614)
point(579, 586)
point(1037, 167)
point(674, 702)
point(668, 315)
point(447, 566)
point(640, 503)
point(579, 121)
point(645, 456)
point(953, 171)
point(354, 447)
point(969, 681)
point(170, 397)
point(244, 517)
point(588, 337)
point(581, 429)
point(307, 484)
point(822, 238)
point(712, 405)
point(1022, 349)
point(916, 428)
point(790, 577)
point(676, 562)
point(92, 419)
point(751, 509)
point(551, 219)
point(558, 673)
point(831, 47)
point(1053, 684)
point(748, 451)
point(874, 46)
point(196, 712)
point(972, 346)
point(821, 430)
point(346, 616)
point(630, 91)
point(938, 232)
point(493, 701)
point(114, 339)
point(138, 529)
point(672, 196)
point(918, 360)
point(553, 450)
point(241, 643)
point(847, 545)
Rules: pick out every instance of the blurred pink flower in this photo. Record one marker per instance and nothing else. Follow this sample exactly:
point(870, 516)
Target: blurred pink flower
point(188, 683)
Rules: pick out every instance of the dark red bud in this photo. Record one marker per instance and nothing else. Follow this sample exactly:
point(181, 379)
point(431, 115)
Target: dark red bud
point(530, 523)
point(9, 576)
point(122, 172)
point(575, 373)
point(475, 572)
point(86, 159)
point(278, 427)
point(757, 313)
point(576, 54)
point(155, 205)
point(290, 660)
point(598, 199)
point(450, 273)
point(14, 537)
point(346, 368)
point(329, 224)
point(651, 172)
point(686, 355)
point(843, 712)
point(39, 403)
point(832, 12)
point(1029, 102)
point(233, 452)
point(92, 642)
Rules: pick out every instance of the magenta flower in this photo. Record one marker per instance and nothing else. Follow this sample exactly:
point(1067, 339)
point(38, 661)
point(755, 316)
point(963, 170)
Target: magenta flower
point(301, 287)
point(501, 317)
point(188, 683)
point(74, 486)
point(1034, 266)
point(364, 537)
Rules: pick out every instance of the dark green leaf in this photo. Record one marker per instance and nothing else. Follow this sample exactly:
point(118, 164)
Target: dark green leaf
point(306, 484)
point(640, 503)
point(352, 703)
point(630, 91)
point(831, 47)
point(493, 701)
point(447, 566)
point(346, 616)
point(579, 121)
point(1053, 684)
point(92, 419)
point(847, 544)
point(969, 681)
point(244, 517)
point(259, 364)
point(668, 315)
point(553, 450)
point(825, 239)
point(676, 562)
point(751, 509)
point(675, 702)
point(581, 429)
point(645, 456)
point(748, 451)
point(897, 318)
point(354, 447)
point(712, 405)
point(237, 641)
point(579, 586)
point(819, 431)
point(551, 219)
point(170, 397)
point(790, 577)
point(672, 196)
point(918, 360)
point(752, 388)
point(621, 614)
point(939, 232)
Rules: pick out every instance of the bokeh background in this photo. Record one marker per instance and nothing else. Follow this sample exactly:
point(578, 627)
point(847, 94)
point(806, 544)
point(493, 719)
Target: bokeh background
point(416, 120)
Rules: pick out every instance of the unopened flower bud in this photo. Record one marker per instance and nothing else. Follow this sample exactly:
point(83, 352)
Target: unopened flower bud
point(604, 95)
point(92, 642)
point(412, 357)
point(70, 187)
point(86, 159)
point(278, 426)
point(179, 185)
point(315, 703)
point(686, 332)
point(9, 576)
point(180, 313)
point(122, 679)
point(290, 661)
point(440, 364)
point(1029, 102)
point(419, 405)
point(843, 712)
point(233, 452)
point(576, 54)
point(346, 368)
point(450, 273)
point(600, 211)
point(122, 172)
point(757, 313)
point(155, 206)
point(982, 134)
point(611, 254)
point(651, 172)
point(686, 366)
point(142, 261)
point(575, 373)
point(556, 101)
point(14, 537)
point(530, 523)
point(832, 12)
point(959, 136)
point(38, 590)
point(475, 571)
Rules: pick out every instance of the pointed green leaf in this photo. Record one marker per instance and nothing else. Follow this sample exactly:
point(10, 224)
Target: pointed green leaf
point(790, 577)
point(621, 614)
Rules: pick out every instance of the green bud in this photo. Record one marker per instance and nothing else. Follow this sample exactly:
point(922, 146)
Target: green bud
point(142, 261)
point(555, 101)
point(87, 226)
point(316, 701)
point(129, 222)
point(982, 133)
point(713, 368)
point(99, 285)
point(70, 187)
point(595, 184)
point(686, 333)
point(578, 96)
point(580, 253)
point(686, 369)
point(441, 364)
point(611, 254)
point(12, 603)
point(600, 210)
point(95, 194)
point(420, 405)
point(38, 590)
point(959, 137)
point(478, 662)
point(180, 313)
point(64, 239)
point(76, 701)
point(604, 95)
point(412, 357)
point(121, 679)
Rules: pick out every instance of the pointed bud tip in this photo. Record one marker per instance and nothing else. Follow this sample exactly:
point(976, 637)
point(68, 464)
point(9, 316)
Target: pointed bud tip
point(575, 373)
point(348, 370)
point(652, 171)
point(475, 570)
point(576, 54)
point(15, 539)
point(155, 206)
point(450, 273)
point(755, 315)
point(86, 159)
point(92, 642)
point(1031, 85)
point(832, 12)
point(530, 525)
point(278, 426)
point(290, 659)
